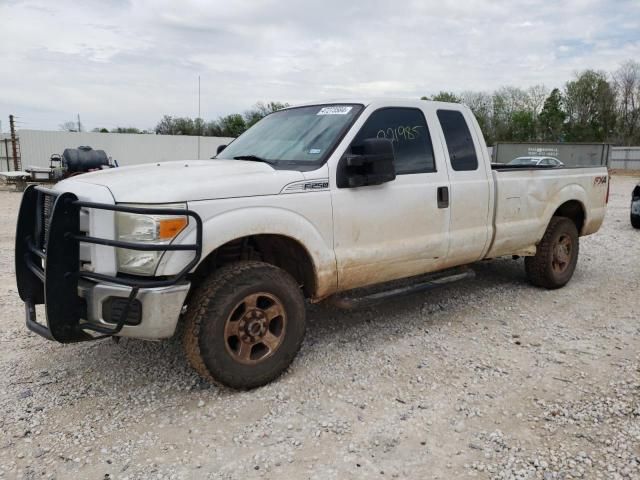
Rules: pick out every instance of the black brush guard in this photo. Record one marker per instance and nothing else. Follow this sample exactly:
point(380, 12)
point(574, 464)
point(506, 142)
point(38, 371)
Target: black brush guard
point(47, 261)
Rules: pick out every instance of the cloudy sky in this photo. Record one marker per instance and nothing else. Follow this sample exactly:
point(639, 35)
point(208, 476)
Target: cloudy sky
point(128, 62)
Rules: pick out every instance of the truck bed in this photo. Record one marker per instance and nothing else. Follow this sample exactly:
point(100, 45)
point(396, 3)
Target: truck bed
point(527, 198)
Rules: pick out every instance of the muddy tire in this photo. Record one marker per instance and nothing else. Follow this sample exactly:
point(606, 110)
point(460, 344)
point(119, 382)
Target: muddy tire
point(556, 257)
point(244, 324)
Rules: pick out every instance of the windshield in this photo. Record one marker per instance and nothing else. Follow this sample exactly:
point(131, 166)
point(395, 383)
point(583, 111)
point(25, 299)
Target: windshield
point(523, 161)
point(302, 136)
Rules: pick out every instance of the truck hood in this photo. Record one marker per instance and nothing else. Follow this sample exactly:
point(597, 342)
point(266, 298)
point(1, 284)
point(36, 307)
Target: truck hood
point(187, 180)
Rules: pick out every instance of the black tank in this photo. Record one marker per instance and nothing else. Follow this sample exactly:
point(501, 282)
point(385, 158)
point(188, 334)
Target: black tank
point(83, 159)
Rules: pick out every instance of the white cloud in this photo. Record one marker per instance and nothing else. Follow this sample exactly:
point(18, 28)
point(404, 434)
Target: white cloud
point(130, 62)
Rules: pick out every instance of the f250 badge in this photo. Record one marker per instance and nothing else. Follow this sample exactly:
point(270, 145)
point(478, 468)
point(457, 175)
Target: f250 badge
point(307, 186)
point(316, 185)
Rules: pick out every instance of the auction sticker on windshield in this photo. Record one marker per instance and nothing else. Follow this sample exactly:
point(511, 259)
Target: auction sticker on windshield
point(337, 110)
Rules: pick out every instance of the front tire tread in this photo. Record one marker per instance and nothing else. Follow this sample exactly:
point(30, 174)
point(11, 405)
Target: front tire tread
point(210, 300)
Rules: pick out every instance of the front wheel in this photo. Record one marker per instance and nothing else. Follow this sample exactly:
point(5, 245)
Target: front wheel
point(556, 256)
point(245, 324)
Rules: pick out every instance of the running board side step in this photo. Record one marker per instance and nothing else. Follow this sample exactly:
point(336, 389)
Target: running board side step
point(359, 298)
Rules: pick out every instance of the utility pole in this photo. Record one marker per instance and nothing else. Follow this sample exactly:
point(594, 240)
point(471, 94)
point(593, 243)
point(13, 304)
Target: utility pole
point(14, 146)
point(6, 150)
point(79, 124)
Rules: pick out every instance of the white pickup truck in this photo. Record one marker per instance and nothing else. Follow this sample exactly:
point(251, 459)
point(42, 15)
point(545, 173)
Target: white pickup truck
point(312, 201)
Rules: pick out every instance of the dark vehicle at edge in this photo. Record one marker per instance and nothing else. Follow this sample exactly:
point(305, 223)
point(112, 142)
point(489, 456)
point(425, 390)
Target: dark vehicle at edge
point(635, 207)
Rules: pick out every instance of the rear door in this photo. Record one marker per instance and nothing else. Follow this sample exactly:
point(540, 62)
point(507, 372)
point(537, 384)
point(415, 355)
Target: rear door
point(471, 222)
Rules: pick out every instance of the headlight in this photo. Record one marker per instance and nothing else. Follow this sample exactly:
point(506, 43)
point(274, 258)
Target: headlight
point(149, 229)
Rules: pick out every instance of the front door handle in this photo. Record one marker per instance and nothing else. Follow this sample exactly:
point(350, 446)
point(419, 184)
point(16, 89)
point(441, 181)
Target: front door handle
point(443, 197)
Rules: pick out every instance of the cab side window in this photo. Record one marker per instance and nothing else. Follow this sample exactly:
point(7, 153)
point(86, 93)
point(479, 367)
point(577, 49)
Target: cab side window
point(407, 130)
point(462, 152)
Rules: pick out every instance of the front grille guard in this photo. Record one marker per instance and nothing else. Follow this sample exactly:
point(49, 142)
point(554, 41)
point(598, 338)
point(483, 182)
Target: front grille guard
point(48, 265)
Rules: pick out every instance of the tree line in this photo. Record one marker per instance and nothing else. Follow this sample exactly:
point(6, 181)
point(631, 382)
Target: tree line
point(592, 107)
point(228, 126)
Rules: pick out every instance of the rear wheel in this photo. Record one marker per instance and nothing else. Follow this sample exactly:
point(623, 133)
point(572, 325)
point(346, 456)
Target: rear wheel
point(556, 256)
point(245, 324)
point(635, 221)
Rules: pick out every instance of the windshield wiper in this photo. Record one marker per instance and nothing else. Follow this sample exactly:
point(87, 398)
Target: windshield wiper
point(254, 158)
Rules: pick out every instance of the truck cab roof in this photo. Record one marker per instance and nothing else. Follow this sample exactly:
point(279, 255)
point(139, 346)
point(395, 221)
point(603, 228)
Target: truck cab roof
point(379, 102)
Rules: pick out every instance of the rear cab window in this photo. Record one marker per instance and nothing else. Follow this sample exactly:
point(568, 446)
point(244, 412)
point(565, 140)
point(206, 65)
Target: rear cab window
point(407, 129)
point(462, 152)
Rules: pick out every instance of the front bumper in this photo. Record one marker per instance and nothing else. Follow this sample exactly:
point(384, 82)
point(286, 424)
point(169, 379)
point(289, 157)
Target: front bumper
point(156, 317)
point(47, 262)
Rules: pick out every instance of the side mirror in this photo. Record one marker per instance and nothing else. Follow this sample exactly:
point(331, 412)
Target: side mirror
point(220, 149)
point(370, 163)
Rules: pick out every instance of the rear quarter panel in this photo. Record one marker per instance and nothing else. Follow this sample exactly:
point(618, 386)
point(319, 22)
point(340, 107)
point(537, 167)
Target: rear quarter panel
point(527, 199)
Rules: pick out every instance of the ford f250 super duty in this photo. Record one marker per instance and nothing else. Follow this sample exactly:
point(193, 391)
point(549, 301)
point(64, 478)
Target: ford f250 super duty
point(312, 201)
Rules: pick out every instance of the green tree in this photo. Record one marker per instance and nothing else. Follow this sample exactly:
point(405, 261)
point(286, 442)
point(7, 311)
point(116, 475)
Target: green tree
point(232, 125)
point(212, 129)
point(261, 110)
point(176, 126)
point(522, 126)
point(184, 126)
point(125, 130)
point(500, 117)
point(199, 127)
point(511, 105)
point(481, 105)
point(552, 117)
point(69, 126)
point(443, 96)
point(165, 126)
point(590, 104)
point(227, 126)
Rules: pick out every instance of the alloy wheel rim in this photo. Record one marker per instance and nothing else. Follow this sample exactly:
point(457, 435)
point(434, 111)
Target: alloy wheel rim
point(255, 328)
point(562, 251)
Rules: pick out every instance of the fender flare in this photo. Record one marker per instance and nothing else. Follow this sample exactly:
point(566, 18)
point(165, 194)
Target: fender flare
point(572, 192)
point(256, 220)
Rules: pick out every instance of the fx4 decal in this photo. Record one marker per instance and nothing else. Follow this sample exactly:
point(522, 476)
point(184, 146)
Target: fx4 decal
point(601, 180)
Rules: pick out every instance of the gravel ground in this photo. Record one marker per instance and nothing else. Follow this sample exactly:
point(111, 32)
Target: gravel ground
point(489, 378)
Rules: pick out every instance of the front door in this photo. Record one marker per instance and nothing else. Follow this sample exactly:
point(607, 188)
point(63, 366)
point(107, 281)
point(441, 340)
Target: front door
point(400, 228)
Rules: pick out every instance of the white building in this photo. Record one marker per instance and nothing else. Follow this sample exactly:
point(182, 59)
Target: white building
point(37, 146)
